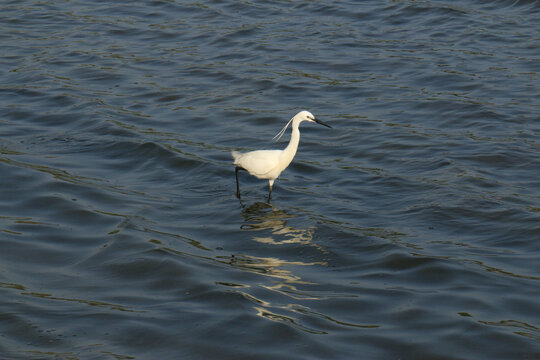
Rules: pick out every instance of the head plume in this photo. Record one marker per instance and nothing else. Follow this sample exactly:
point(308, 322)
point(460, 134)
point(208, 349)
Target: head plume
point(280, 134)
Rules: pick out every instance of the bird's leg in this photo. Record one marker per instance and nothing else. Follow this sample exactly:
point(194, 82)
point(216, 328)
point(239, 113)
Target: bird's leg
point(271, 182)
point(237, 185)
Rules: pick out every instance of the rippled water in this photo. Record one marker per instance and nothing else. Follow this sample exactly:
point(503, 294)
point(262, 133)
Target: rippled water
point(408, 231)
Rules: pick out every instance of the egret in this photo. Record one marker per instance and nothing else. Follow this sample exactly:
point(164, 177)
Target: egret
point(268, 164)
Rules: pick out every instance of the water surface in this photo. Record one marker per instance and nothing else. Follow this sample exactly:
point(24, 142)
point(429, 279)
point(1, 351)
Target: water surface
point(408, 231)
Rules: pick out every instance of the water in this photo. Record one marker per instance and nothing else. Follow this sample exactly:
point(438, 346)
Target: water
point(408, 231)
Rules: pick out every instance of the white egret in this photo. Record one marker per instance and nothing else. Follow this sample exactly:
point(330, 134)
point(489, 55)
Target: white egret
point(268, 164)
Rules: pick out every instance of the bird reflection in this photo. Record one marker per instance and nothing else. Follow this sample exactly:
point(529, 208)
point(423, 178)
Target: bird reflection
point(286, 295)
point(264, 216)
point(272, 267)
point(270, 226)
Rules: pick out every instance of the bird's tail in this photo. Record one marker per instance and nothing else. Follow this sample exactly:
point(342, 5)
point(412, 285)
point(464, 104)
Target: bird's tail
point(235, 155)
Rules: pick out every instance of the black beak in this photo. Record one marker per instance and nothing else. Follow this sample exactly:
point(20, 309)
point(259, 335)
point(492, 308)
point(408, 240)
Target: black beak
point(322, 123)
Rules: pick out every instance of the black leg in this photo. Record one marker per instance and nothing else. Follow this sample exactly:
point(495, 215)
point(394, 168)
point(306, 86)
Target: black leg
point(270, 194)
point(237, 185)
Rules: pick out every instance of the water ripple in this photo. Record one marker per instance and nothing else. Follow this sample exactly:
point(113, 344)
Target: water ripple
point(406, 231)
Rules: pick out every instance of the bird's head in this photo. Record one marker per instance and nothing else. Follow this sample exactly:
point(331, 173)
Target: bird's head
point(307, 116)
point(297, 119)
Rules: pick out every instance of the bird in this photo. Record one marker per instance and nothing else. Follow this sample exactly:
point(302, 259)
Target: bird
point(269, 164)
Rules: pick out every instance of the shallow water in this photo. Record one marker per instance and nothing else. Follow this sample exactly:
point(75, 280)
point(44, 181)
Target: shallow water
point(408, 231)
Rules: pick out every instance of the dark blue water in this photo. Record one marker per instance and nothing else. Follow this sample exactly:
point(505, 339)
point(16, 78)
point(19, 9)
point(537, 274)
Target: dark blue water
point(411, 230)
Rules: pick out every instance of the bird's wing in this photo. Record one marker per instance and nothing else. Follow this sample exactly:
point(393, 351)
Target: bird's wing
point(259, 163)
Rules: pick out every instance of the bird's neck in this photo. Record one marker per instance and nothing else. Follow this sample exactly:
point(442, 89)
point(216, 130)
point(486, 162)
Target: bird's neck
point(290, 150)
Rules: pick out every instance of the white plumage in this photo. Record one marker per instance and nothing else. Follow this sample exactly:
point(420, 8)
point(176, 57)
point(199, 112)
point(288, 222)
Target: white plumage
point(268, 164)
